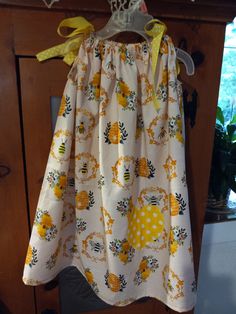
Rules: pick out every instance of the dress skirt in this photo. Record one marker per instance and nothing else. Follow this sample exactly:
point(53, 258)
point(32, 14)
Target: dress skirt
point(114, 199)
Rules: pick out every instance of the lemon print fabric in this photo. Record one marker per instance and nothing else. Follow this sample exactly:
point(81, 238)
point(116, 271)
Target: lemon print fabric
point(114, 197)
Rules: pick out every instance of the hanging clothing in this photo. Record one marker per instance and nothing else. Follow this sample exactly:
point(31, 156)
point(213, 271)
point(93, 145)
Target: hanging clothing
point(114, 200)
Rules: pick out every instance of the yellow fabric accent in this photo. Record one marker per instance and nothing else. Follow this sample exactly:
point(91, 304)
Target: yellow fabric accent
point(145, 225)
point(157, 32)
point(69, 49)
point(177, 67)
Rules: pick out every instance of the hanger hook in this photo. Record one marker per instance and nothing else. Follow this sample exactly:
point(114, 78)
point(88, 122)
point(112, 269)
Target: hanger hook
point(49, 3)
point(123, 5)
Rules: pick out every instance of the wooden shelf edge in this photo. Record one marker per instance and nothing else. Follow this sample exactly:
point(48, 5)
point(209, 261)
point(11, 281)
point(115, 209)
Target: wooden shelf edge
point(165, 9)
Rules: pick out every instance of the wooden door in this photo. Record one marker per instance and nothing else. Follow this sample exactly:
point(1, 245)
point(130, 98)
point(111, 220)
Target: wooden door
point(38, 84)
point(14, 229)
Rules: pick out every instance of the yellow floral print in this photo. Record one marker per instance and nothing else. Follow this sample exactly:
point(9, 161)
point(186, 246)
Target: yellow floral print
point(46, 220)
point(165, 76)
point(96, 79)
point(62, 106)
point(125, 97)
point(107, 220)
point(148, 265)
point(145, 273)
point(123, 255)
point(58, 191)
point(41, 231)
point(125, 55)
point(176, 128)
point(123, 250)
point(65, 107)
point(89, 276)
point(174, 205)
point(93, 88)
point(96, 83)
point(177, 238)
point(51, 262)
point(123, 93)
point(170, 168)
point(44, 224)
point(57, 181)
point(173, 247)
point(172, 283)
point(164, 48)
point(29, 255)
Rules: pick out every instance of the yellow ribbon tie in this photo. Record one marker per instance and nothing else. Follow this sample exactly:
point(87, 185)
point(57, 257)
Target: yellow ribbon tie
point(69, 49)
point(156, 32)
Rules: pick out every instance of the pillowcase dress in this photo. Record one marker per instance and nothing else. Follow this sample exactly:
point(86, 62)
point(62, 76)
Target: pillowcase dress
point(114, 199)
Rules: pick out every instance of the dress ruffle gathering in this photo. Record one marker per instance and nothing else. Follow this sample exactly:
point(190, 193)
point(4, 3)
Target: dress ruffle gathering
point(114, 199)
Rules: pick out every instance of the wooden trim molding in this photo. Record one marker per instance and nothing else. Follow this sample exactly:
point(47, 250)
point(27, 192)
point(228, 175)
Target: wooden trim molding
point(202, 10)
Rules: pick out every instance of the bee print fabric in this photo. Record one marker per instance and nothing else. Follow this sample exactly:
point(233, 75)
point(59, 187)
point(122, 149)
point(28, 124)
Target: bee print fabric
point(114, 199)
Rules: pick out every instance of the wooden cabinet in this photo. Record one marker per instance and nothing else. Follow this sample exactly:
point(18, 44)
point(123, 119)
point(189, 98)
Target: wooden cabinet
point(26, 89)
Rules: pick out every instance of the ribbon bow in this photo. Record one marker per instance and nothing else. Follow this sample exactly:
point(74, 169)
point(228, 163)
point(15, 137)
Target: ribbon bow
point(68, 49)
point(156, 32)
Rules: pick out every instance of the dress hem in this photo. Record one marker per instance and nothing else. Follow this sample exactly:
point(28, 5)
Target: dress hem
point(134, 299)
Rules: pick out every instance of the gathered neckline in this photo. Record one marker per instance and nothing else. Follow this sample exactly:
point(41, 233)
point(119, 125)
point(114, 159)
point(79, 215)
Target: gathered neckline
point(110, 42)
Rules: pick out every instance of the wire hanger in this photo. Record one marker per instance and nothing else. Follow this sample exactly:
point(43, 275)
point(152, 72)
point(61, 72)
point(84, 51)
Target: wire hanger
point(127, 16)
point(49, 3)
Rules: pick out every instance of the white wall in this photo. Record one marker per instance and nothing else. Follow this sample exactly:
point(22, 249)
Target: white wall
point(217, 273)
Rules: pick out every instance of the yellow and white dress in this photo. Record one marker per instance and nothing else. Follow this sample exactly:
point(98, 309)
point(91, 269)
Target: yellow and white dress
point(114, 200)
